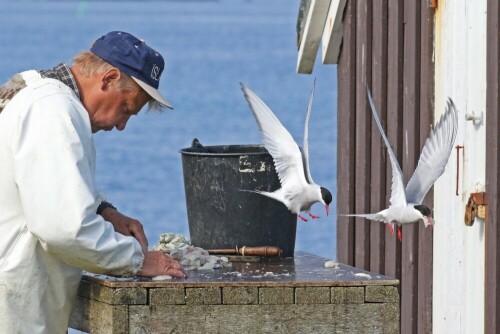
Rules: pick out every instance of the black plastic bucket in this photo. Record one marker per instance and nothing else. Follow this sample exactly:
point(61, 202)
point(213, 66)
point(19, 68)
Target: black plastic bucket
point(220, 214)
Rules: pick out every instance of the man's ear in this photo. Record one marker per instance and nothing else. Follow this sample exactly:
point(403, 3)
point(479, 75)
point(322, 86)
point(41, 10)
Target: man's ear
point(110, 76)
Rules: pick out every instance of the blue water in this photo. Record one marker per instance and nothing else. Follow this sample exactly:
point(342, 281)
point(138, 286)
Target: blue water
point(210, 47)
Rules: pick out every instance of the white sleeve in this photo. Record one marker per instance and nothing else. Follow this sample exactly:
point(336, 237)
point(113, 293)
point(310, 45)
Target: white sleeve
point(54, 163)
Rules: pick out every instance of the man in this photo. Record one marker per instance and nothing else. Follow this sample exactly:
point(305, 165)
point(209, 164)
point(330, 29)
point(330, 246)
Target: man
point(53, 221)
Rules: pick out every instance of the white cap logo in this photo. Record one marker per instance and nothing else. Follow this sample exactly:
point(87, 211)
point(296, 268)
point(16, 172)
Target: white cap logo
point(155, 72)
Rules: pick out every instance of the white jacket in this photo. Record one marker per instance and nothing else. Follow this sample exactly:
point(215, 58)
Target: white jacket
point(49, 229)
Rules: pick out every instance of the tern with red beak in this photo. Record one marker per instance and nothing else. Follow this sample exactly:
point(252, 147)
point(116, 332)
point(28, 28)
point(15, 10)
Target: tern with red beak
point(298, 191)
point(406, 204)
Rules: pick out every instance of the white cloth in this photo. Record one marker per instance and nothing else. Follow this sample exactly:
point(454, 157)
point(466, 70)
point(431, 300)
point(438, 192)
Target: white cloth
point(49, 229)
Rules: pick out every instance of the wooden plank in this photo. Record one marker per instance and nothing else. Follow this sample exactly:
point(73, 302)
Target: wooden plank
point(395, 44)
point(363, 133)
point(425, 250)
point(409, 279)
point(459, 250)
point(411, 151)
point(473, 176)
point(315, 22)
point(332, 34)
point(492, 275)
point(378, 149)
point(345, 137)
point(398, 64)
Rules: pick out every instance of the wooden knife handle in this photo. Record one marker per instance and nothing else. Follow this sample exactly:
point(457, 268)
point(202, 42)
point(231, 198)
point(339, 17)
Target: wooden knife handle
point(249, 251)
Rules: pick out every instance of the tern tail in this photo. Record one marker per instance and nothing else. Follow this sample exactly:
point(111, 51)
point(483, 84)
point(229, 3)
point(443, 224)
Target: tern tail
point(370, 216)
point(276, 195)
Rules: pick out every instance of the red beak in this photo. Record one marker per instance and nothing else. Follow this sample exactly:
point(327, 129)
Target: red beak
point(327, 208)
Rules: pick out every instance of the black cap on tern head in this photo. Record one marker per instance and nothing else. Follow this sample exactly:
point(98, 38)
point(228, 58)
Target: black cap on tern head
point(423, 210)
point(326, 195)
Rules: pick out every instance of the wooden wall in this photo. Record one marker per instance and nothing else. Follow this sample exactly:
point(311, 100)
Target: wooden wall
point(387, 46)
point(459, 250)
point(492, 275)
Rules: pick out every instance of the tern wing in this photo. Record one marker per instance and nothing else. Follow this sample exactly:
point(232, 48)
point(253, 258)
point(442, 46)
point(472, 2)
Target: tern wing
point(434, 156)
point(278, 141)
point(305, 147)
point(398, 197)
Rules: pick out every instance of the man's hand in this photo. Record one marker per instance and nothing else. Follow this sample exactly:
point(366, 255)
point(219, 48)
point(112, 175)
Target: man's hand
point(157, 263)
point(126, 226)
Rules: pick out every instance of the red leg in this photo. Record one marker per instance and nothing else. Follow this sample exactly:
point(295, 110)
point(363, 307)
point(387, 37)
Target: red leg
point(400, 235)
point(303, 219)
point(313, 216)
point(389, 226)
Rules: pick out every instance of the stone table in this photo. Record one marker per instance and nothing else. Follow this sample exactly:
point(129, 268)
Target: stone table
point(286, 296)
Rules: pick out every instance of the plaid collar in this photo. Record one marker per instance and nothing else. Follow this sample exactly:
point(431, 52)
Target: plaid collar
point(62, 73)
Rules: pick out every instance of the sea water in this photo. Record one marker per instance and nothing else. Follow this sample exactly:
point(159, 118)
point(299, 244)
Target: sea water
point(209, 47)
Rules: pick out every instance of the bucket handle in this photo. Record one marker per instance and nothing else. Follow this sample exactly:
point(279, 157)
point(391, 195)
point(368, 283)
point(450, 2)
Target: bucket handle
point(196, 143)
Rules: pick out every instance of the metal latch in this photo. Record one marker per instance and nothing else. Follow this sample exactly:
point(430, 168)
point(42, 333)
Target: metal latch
point(477, 207)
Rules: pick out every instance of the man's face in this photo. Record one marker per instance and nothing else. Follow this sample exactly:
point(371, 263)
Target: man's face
point(110, 107)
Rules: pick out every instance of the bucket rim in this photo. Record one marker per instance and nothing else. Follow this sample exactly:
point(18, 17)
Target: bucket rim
point(200, 151)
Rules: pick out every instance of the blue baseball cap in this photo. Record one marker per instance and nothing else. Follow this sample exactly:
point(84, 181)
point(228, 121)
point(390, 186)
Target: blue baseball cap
point(133, 57)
